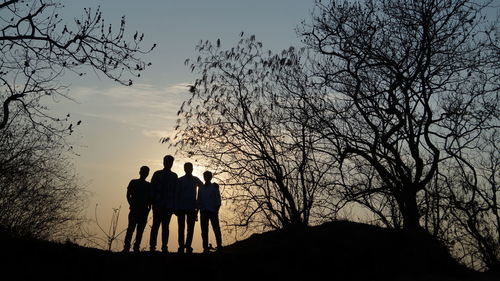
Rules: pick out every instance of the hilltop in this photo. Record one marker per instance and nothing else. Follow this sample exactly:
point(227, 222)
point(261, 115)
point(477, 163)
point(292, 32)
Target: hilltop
point(338, 250)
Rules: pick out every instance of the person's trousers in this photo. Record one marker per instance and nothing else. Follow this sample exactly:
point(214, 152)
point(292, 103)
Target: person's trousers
point(161, 216)
point(213, 217)
point(186, 217)
point(137, 219)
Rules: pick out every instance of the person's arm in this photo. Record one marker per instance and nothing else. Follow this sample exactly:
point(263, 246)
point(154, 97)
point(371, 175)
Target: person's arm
point(199, 184)
point(154, 178)
point(150, 199)
point(198, 200)
point(178, 192)
point(175, 192)
point(129, 192)
point(218, 200)
point(153, 189)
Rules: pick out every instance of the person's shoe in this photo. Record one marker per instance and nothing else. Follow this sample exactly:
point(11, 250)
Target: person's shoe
point(206, 251)
point(125, 250)
point(180, 251)
point(152, 249)
point(164, 250)
point(136, 250)
point(189, 250)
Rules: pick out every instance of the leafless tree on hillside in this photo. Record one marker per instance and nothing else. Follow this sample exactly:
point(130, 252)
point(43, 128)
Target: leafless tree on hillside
point(412, 84)
point(40, 195)
point(242, 123)
point(473, 192)
point(37, 49)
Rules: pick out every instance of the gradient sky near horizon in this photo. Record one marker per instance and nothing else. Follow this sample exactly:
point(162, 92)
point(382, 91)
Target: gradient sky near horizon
point(121, 126)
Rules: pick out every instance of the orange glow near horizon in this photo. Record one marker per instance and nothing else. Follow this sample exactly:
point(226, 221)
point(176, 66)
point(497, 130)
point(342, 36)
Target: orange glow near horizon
point(113, 198)
point(122, 126)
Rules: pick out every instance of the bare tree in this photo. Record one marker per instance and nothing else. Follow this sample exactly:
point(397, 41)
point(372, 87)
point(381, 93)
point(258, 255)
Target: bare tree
point(39, 191)
point(361, 186)
point(411, 84)
point(37, 48)
point(473, 192)
point(40, 195)
point(111, 235)
point(241, 123)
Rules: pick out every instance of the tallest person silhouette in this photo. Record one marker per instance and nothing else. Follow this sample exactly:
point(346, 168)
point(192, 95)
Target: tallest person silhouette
point(163, 185)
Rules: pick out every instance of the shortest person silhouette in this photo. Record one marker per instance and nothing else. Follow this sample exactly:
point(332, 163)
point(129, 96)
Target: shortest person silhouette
point(138, 197)
point(209, 202)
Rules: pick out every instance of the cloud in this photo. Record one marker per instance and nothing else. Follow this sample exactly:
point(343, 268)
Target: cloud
point(180, 88)
point(158, 134)
point(145, 106)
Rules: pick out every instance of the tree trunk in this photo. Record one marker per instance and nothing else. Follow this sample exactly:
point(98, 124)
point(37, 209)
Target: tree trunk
point(409, 210)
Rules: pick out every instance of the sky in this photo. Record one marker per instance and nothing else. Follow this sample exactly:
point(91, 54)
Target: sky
point(122, 126)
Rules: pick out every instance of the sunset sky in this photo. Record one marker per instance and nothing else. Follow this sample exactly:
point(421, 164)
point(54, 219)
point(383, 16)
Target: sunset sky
point(121, 126)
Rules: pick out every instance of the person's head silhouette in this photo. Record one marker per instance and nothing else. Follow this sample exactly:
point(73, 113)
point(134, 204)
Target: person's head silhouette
point(188, 168)
point(144, 172)
point(168, 161)
point(207, 175)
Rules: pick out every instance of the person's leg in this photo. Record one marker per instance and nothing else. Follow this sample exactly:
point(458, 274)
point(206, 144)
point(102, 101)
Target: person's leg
point(130, 230)
point(181, 220)
point(154, 228)
point(190, 218)
point(214, 220)
point(141, 224)
point(165, 224)
point(204, 230)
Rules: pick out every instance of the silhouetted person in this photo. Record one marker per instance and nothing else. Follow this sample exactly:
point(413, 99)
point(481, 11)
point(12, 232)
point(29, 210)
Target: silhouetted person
point(138, 197)
point(209, 202)
point(187, 207)
point(163, 185)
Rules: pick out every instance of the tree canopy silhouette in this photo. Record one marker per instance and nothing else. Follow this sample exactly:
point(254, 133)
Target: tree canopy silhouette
point(411, 84)
point(239, 122)
point(38, 49)
point(393, 104)
point(412, 100)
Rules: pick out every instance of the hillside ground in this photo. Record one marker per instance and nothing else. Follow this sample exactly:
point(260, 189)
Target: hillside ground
point(337, 250)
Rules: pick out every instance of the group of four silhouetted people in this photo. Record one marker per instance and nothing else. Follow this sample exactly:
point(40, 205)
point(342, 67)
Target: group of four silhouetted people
point(167, 195)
